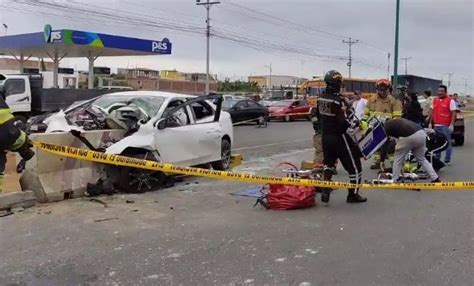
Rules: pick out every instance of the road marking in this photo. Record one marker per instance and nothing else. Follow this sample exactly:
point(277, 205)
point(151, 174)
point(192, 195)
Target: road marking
point(272, 144)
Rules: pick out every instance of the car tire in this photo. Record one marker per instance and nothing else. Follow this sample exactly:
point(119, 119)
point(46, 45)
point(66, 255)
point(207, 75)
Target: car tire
point(134, 180)
point(226, 156)
point(459, 141)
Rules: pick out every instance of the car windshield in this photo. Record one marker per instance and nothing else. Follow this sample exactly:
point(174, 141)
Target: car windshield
point(283, 103)
point(227, 104)
point(149, 104)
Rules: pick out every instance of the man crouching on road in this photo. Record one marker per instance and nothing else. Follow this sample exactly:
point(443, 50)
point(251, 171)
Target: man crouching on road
point(411, 137)
point(337, 144)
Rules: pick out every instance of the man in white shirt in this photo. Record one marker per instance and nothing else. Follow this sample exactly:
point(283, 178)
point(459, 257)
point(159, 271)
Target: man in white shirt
point(359, 104)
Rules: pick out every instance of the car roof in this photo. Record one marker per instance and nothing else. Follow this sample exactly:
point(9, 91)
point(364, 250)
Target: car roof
point(152, 93)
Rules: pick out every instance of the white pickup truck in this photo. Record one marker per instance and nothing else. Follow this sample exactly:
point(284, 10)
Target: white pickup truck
point(26, 96)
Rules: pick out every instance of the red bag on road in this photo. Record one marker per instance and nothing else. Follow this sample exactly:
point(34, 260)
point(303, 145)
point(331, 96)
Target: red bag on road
point(284, 197)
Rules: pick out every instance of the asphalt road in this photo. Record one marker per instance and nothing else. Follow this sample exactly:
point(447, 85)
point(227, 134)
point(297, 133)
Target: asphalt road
point(198, 234)
point(278, 137)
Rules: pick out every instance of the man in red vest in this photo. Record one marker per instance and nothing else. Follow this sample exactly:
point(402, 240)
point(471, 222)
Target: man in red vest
point(443, 116)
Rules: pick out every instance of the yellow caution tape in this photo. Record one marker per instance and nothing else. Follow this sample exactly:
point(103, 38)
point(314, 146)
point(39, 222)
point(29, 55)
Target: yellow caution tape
point(273, 116)
point(119, 160)
point(290, 114)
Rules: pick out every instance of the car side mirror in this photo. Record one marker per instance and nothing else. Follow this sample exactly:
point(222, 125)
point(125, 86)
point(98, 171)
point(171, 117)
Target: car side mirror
point(162, 124)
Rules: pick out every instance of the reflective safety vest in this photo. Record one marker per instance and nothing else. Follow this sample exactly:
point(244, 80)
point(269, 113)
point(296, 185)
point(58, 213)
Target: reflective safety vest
point(5, 115)
point(388, 107)
point(442, 111)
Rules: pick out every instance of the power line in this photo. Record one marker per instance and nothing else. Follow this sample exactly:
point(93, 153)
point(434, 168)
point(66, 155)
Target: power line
point(298, 25)
point(124, 18)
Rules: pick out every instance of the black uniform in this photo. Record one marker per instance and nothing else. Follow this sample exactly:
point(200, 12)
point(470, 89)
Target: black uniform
point(11, 137)
point(337, 145)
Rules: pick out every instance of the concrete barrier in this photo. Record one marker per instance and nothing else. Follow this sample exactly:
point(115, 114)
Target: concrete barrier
point(54, 178)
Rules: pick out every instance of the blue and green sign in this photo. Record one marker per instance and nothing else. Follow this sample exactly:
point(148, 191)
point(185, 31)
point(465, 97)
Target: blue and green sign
point(72, 37)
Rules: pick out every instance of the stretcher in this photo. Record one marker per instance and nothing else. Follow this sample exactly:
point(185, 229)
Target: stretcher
point(368, 140)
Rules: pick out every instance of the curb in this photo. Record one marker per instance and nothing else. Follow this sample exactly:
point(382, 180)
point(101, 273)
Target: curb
point(17, 199)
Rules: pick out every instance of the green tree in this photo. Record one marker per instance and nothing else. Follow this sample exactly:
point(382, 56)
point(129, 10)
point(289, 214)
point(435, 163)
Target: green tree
point(233, 86)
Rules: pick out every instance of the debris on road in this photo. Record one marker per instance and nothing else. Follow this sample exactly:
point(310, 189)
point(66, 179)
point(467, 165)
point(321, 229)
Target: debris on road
point(130, 201)
point(102, 187)
point(100, 202)
point(106, 219)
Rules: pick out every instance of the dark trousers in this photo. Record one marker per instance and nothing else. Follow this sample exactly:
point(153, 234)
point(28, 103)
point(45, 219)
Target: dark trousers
point(341, 147)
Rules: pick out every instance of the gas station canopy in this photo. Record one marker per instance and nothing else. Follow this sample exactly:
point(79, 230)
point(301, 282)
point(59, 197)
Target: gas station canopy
point(58, 44)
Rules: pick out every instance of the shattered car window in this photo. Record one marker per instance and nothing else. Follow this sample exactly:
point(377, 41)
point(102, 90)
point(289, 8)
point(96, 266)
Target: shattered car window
point(150, 104)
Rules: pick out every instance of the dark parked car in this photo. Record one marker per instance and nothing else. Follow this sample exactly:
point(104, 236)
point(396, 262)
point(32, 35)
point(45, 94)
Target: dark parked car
point(245, 110)
point(458, 132)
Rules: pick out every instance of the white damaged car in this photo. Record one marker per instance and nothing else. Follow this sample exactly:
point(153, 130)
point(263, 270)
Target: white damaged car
point(167, 127)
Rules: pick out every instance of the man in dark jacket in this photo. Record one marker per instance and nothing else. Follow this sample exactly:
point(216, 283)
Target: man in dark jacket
point(337, 145)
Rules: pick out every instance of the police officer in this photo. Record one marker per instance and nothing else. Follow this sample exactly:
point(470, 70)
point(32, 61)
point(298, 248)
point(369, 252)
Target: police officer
point(337, 145)
point(384, 106)
point(317, 140)
point(11, 137)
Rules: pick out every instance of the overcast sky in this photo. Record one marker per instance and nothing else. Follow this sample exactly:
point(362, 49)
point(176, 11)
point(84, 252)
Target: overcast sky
point(438, 35)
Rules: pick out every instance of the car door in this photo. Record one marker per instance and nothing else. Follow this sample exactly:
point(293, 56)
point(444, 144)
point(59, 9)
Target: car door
point(188, 140)
point(255, 110)
point(17, 95)
point(210, 136)
point(240, 111)
point(176, 142)
point(302, 109)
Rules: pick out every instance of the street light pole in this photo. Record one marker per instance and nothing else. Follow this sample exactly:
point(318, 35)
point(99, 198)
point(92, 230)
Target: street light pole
point(207, 5)
point(5, 26)
point(395, 60)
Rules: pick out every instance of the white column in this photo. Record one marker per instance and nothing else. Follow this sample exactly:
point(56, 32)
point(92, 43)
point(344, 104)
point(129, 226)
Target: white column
point(55, 69)
point(91, 59)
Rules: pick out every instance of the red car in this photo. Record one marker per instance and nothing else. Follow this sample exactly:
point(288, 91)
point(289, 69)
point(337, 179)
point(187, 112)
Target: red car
point(290, 109)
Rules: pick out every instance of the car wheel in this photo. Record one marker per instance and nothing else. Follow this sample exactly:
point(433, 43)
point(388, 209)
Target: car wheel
point(226, 156)
point(459, 141)
point(135, 180)
point(287, 118)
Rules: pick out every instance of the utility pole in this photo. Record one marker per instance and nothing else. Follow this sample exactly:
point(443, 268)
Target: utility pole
point(207, 4)
point(450, 75)
point(465, 85)
point(395, 59)
point(349, 63)
point(406, 63)
point(270, 77)
point(388, 66)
